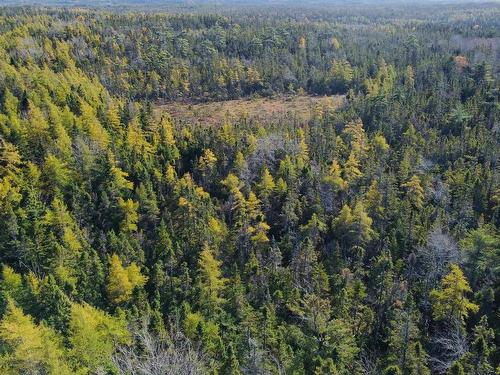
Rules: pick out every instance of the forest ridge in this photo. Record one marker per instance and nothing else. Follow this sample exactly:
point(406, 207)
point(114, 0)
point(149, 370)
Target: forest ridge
point(250, 190)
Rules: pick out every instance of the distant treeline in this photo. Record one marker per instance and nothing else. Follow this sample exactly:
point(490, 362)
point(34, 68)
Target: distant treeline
point(213, 57)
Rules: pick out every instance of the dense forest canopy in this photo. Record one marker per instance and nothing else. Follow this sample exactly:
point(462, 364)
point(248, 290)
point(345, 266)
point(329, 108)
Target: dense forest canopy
point(362, 239)
point(197, 5)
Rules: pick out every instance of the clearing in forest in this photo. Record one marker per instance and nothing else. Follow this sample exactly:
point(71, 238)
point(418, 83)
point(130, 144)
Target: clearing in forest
point(261, 109)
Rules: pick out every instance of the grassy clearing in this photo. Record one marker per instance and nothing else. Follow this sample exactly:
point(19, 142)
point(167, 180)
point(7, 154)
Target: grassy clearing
point(260, 109)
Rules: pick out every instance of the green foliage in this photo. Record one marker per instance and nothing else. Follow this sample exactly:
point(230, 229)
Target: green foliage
point(123, 280)
point(29, 348)
point(415, 192)
point(456, 369)
point(94, 335)
point(210, 279)
point(450, 301)
point(482, 247)
point(321, 240)
point(393, 370)
point(341, 74)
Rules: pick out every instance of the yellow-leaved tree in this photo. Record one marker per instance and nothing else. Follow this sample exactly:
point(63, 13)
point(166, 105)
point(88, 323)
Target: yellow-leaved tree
point(93, 127)
point(130, 215)
point(334, 177)
point(351, 169)
point(373, 199)
point(208, 160)
point(449, 301)
point(415, 191)
point(123, 280)
point(211, 282)
point(266, 184)
point(355, 134)
point(94, 335)
point(28, 348)
point(303, 154)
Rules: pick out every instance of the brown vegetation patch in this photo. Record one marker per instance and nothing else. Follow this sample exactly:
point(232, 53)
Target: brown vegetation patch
point(261, 109)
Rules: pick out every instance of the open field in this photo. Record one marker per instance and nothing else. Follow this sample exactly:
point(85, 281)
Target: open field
point(261, 109)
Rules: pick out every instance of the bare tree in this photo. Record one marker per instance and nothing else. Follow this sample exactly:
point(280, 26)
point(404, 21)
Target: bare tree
point(255, 360)
point(433, 259)
point(449, 345)
point(368, 362)
point(153, 355)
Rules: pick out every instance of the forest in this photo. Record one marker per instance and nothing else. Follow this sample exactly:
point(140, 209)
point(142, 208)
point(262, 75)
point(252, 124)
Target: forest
point(354, 231)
